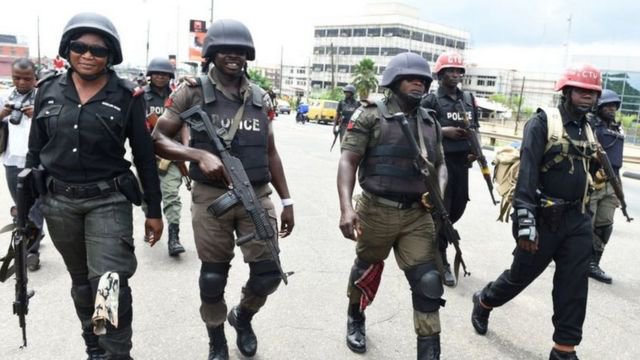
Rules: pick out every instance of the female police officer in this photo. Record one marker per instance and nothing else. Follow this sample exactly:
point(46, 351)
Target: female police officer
point(81, 121)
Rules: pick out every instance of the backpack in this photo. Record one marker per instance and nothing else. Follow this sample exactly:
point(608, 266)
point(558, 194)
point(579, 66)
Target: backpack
point(507, 160)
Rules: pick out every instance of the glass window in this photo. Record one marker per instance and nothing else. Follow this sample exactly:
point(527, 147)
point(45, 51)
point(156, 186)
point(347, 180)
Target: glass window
point(416, 35)
point(316, 84)
point(391, 31)
point(341, 84)
point(480, 82)
point(381, 69)
point(428, 38)
point(460, 45)
point(318, 67)
point(344, 50)
point(360, 32)
point(345, 32)
point(373, 51)
point(404, 33)
point(427, 55)
point(343, 68)
point(321, 33)
point(491, 83)
point(332, 32)
point(318, 50)
point(327, 67)
point(450, 43)
point(357, 51)
point(373, 32)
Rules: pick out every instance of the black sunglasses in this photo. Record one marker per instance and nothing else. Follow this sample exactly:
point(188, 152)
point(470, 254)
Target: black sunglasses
point(79, 47)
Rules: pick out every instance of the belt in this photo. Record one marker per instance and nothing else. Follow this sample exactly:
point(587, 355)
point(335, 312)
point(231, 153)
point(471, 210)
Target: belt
point(402, 205)
point(83, 191)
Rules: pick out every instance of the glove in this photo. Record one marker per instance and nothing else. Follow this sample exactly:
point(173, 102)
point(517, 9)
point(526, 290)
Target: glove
point(526, 225)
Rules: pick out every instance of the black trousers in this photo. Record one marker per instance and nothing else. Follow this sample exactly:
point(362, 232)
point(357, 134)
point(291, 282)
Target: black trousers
point(570, 248)
point(456, 195)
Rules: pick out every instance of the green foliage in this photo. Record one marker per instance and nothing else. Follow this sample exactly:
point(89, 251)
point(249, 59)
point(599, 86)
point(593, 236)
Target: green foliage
point(499, 98)
point(333, 94)
point(364, 78)
point(626, 119)
point(257, 77)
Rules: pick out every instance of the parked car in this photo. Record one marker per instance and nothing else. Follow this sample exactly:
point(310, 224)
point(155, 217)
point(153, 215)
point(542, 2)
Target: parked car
point(322, 111)
point(283, 107)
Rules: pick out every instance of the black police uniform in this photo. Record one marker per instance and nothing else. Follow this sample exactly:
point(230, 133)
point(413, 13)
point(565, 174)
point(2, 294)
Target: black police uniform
point(346, 108)
point(450, 113)
point(564, 231)
point(90, 190)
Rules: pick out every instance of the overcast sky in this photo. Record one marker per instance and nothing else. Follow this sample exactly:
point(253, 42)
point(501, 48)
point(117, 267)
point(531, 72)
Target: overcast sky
point(524, 35)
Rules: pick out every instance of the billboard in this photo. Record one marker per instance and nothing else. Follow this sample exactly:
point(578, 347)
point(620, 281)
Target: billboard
point(197, 31)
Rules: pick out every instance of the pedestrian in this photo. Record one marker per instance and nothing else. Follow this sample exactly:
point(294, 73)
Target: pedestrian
point(346, 107)
point(82, 119)
point(389, 213)
point(550, 217)
point(603, 200)
point(235, 104)
point(458, 155)
point(16, 114)
point(160, 72)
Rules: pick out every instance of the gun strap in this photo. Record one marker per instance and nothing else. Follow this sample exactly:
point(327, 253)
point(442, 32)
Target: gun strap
point(423, 147)
point(5, 270)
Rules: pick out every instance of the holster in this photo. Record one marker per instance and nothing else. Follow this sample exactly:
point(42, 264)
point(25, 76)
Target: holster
point(129, 187)
point(40, 180)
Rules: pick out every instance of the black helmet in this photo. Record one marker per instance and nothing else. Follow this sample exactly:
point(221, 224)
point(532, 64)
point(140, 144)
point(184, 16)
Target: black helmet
point(406, 64)
point(92, 23)
point(608, 97)
point(160, 65)
point(228, 32)
point(349, 88)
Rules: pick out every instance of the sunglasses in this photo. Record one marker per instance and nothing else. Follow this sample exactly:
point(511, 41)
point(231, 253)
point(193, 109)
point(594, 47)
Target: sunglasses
point(79, 47)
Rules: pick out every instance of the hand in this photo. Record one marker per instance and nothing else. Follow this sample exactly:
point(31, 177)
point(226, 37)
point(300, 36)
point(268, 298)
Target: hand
point(528, 245)
point(153, 230)
point(286, 221)
point(6, 110)
point(455, 133)
point(350, 225)
point(28, 110)
point(212, 167)
point(471, 158)
point(527, 236)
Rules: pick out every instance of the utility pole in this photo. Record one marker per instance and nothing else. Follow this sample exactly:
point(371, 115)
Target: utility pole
point(211, 18)
point(281, 69)
point(39, 59)
point(566, 45)
point(333, 69)
point(148, 30)
point(515, 130)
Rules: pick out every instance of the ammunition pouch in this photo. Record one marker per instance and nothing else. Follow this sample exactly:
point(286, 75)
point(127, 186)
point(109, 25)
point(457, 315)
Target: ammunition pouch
point(129, 187)
point(223, 204)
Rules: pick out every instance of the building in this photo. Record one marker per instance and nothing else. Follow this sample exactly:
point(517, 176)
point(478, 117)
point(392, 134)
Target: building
point(387, 30)
point(10, 50)
point(295, 81)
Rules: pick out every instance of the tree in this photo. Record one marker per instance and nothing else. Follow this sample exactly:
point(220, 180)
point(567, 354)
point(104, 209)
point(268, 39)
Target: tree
point(364, 78)
point(259, 79)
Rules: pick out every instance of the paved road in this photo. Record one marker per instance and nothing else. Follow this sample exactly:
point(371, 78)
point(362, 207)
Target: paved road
point(306, 320)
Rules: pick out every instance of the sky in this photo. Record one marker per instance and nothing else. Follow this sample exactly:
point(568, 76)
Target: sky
point(523, 35)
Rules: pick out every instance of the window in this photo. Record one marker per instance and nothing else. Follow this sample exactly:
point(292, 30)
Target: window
point(392, 51)
point(450, 43)
point(360, 32)
point(373, 32)
point(480, 82)
point(300, 82)
point(416, 35)
point(343, 68)
point(357, 51)
point(491, 83)
point(427, 55)
point(321, 33)
point(316, 84)
point(327, 67)
point(460, 45)
point(344, 50)
point(373, 51)
point(390, 31)
point(381, 69)
point(318, 50)
point(352, 68)
point(332, 33)
point(318, 67)
point(428, 38)
point(341, 84)
point(302, 71)
point(345, 32)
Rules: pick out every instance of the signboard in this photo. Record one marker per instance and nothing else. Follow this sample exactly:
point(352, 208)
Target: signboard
point(197, 30)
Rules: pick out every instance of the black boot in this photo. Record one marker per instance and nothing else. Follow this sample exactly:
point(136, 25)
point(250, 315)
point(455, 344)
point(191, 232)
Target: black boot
point(240, 319)
point(595, 272)
point(175, 248)
point(94, 351)
point(356, 336)
point(480, 315)
point(218, 349)
point(429, 347)
point(561, 355)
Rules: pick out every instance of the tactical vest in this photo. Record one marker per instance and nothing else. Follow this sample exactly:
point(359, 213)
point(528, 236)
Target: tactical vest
point(155, 103)
point(250, 141)
point(347, 109)
point(388, 168)
point(612, 142)
point(448, 116)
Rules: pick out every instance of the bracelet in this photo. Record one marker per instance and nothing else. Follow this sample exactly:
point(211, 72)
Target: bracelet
point(287, 202)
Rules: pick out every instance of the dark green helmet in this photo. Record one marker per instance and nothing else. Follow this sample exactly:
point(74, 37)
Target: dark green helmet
point(160, 65)
point(404, 64)
point(227, 32)
point(91, 23)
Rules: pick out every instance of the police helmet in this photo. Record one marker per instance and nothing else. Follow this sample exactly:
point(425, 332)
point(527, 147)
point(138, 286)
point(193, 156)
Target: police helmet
point(584, 76)
point(160, 65)
point(228, 32)
point(608, 97)
point(92, 23)
point(404, 64)
point(349, 88)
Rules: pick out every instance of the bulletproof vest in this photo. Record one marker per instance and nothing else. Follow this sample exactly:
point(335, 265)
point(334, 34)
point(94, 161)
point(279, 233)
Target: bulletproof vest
point(348, 107)
point(612, 142)
point(155, 102)
point(250, 141)
point(388, 168)
point(450, 114)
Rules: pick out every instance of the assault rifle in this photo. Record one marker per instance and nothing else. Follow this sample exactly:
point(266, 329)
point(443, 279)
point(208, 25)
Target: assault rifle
point(433, 198)
point(612, 178)
point(240, 192)
point(477, 151)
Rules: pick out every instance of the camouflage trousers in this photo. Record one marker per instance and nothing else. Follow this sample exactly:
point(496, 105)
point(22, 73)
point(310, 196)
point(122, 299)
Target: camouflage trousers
point(603, 206)
point(170, 186)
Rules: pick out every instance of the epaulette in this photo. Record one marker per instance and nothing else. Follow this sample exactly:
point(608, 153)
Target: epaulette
point(49, 76)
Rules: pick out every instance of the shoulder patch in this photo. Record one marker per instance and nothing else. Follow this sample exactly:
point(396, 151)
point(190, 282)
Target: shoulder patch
point(48, 77)
point(366, 103)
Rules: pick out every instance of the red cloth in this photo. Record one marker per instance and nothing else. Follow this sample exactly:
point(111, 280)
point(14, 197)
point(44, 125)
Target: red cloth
point(368, 284)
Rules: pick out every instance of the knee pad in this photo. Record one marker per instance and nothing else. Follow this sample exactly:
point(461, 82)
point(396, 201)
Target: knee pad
point(213, 279)
point(604, 232)
point(357, 270)
point(426, 287)
point(82, 295)
point(264, 278)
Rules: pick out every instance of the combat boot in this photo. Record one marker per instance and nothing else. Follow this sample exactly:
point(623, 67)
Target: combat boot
point(429, 347)
point(246, 341)
point(561, 355)
point(356, 336)
point(218, 349)
point(94, 351)
point(480, 315)
point(595, 272)
point(175, 248)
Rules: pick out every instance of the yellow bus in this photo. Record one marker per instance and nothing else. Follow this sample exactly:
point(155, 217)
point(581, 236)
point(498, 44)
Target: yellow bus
point(322, 111)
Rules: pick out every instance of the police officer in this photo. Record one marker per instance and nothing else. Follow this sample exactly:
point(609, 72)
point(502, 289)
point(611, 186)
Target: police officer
point(550, 221)
point(346, 107)
point(160, 73)
point(389, 214)
point(446, 101)
point(82, 119)
point(237, 105)
point(603, 199)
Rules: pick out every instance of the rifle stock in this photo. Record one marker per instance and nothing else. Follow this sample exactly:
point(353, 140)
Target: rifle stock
point(440, 213)
point(241, 190)
point(477, 151)
point(613, 179)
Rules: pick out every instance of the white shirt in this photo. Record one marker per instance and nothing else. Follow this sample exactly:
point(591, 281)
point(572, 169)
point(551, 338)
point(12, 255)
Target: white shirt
point(18, 136)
